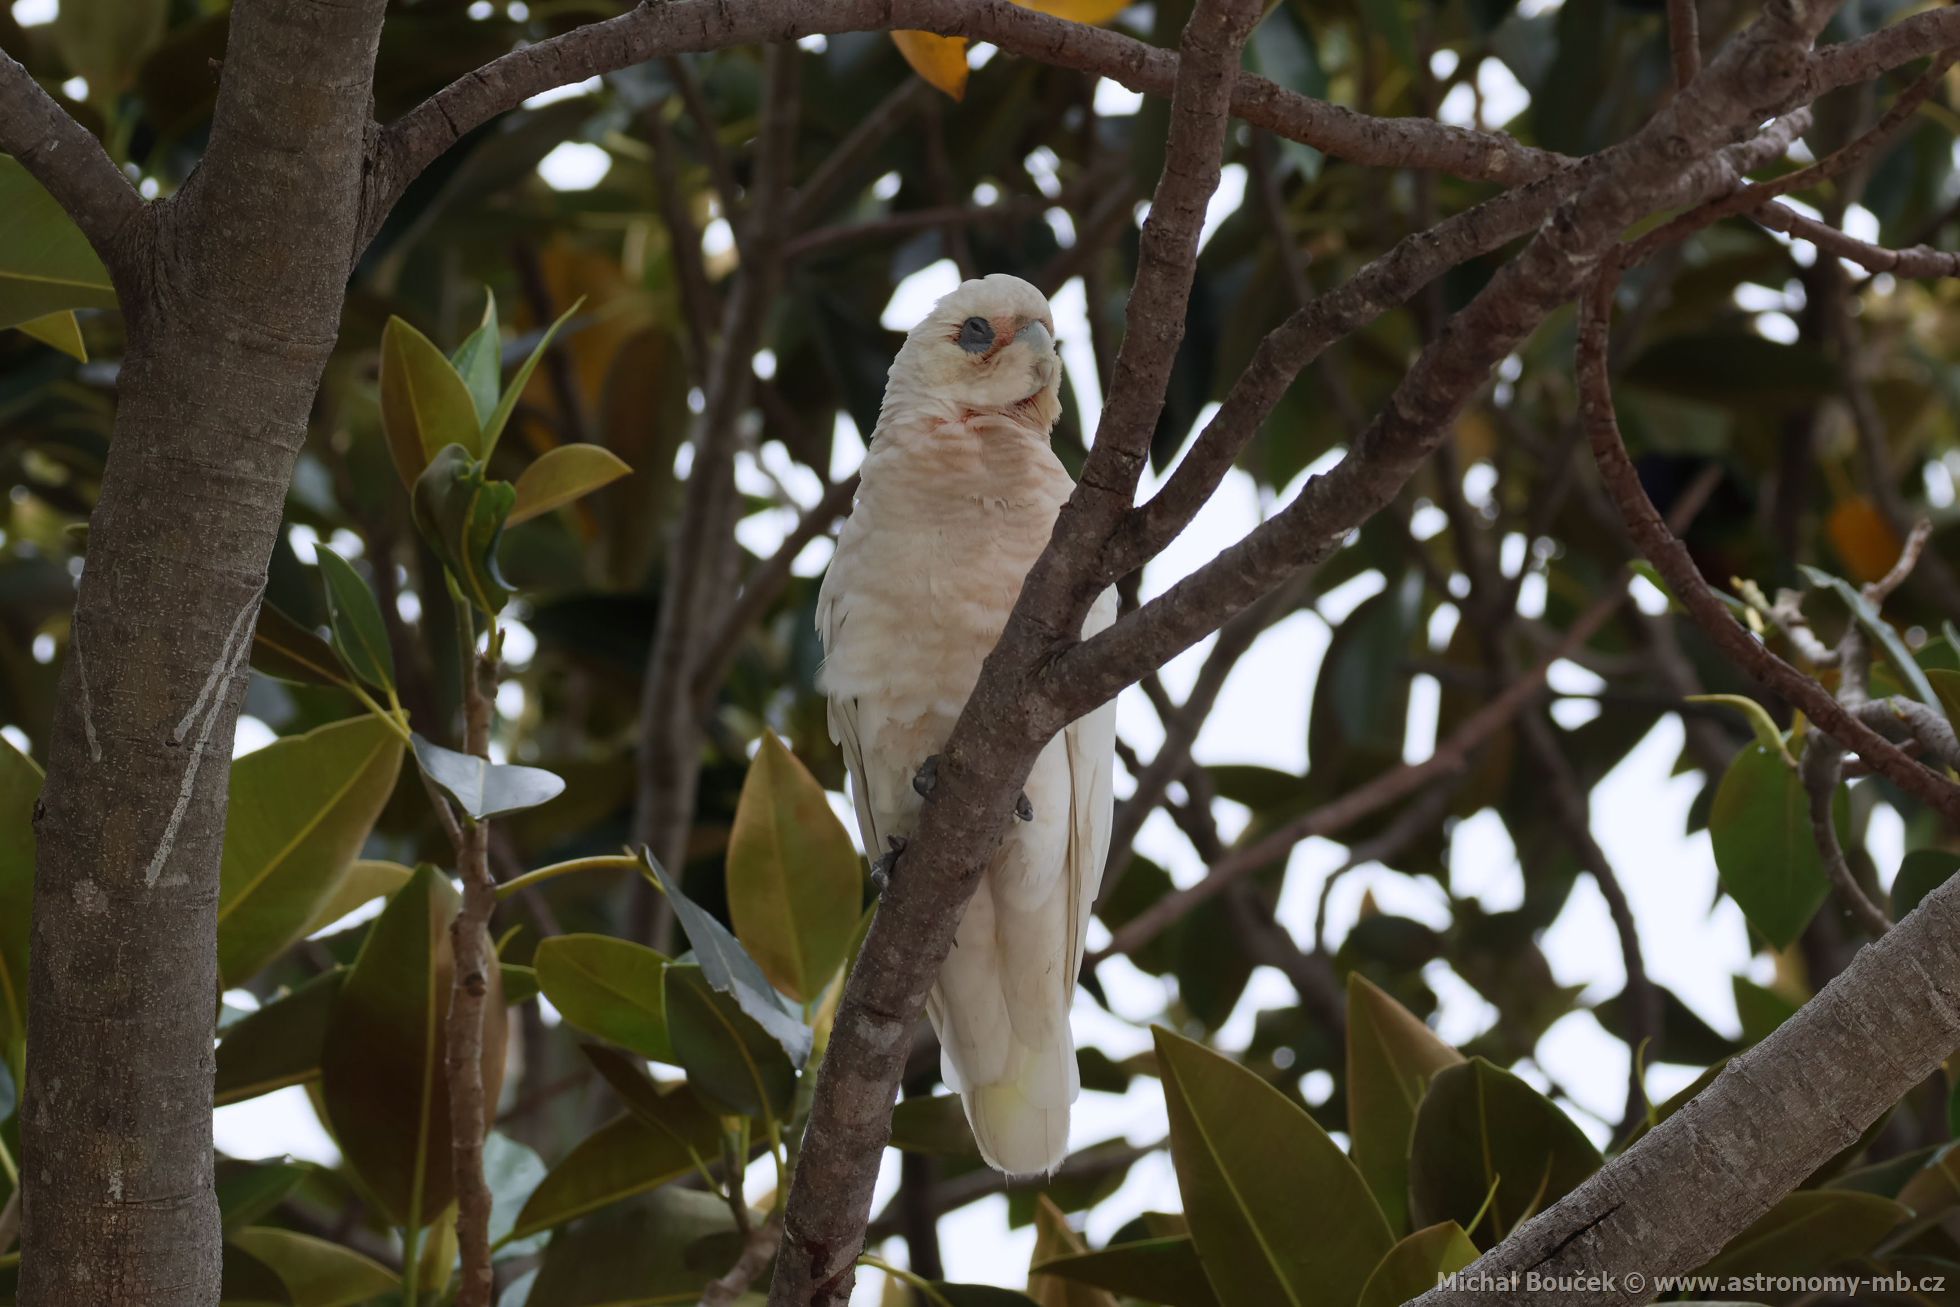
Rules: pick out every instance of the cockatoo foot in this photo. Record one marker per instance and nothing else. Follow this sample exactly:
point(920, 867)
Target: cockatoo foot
point(887, 863)
point(926, 778)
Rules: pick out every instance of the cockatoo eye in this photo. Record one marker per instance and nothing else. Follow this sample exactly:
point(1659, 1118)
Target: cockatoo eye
point(976, 335)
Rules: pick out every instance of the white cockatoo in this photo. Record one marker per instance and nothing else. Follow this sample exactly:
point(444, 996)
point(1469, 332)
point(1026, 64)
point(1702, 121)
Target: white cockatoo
point(959, 493)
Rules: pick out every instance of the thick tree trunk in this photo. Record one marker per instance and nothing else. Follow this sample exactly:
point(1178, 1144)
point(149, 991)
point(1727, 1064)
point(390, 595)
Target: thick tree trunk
point(232, 295)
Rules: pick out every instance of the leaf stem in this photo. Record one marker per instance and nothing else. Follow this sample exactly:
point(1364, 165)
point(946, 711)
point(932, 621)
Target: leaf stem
point(919, 1282)
point(614, 861)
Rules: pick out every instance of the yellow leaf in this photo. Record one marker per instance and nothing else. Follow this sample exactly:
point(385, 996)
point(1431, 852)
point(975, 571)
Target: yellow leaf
point(1863, 538)
point(1092, 12)
point(941, 60)
point(61, 331)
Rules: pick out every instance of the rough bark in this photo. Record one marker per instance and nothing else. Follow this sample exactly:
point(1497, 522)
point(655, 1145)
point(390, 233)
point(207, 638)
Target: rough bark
point(232, 294)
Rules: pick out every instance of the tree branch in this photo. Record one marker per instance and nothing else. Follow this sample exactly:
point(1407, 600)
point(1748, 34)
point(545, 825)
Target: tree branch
point(684, 26)
point(1670, 557)
point(1001, 728)
point(1904, 41)
point(66, 158)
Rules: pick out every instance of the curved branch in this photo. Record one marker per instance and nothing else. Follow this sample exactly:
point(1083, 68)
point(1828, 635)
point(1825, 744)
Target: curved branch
point(685, 26)
point(66, 158)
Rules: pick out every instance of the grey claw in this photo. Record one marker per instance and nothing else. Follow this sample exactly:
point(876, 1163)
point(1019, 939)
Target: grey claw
point(927, 777)
point(886, 864)
point(1022, 808)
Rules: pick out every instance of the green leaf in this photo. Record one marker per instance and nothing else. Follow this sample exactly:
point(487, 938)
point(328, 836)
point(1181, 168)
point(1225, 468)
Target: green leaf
point(46, 265)
point(979, 1295)
point(482, 788)
point(1946, 684)
point(279, 1044)
point(1758, 717)
point(731, 1061)
point(1413, 1266)
point(513, 1173)
point(1920, 873)
point(246, 1191)
point(317, 1273)
point(1278, 1213)
point(607, 987)
point(729, 968)
point(381, 1069)
point(300, 809)
point(20, 787)
point(662, 1248)
point(1391, 1057)
point(1759, 826)
point(626, 1156)
point(359, 636)
point(425, 404)
point(1807, 1232)
point(479, 360)
point(283, 648)
point(59, 331)
point(1896, 653)
point(364, 881)
point(494, 427)
point(558, 476)
point(795, 881)
point(461, 515)
point(1156, 1270)
point(1480, 1129)
point(248, 1282)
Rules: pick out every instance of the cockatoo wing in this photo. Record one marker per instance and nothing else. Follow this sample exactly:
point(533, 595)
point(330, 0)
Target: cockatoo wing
point(1091, 743)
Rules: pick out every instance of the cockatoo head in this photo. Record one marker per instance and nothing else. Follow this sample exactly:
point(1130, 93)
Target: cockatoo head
point(988, 346)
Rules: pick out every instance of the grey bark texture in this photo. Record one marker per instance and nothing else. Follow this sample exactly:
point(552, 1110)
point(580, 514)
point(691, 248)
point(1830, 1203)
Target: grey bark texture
point(232, 293)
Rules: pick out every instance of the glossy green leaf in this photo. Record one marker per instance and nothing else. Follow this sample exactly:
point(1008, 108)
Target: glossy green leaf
point(661, 1248)
point(1946, 684)
point(248, 1282)
point(731, 1062)
point(300, 809)
point(513, 1173)
point(607, 987)
point(482, 788)
point(494, 426)
point(382, 1075)
point(559, 476)
point(1163, 1270)
point(626, 1156)
point(59, 331)
point(316, 1273)
point(1807, 1232)
point(728, 967)
point(425, 404)
point(1053, 1238)
point(795, 881)
point(283, 648)
point(279, 1044)
point(1897, 655)
point(363, 882)
point(1278, 1212)
point(1391, 1057)
point(20, 787)
point(479, 360)
point(461, 514)
point(1768, 862)
point(1413, 1266)
point(46, 265)
point(1760, 1010)
point(248, 1190)
point(1480, 1129)
point(359, 636)
point(1920, 873)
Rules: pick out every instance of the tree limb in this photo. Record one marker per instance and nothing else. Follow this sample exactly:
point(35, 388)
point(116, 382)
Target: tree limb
point(683, 26)
point(65, 157)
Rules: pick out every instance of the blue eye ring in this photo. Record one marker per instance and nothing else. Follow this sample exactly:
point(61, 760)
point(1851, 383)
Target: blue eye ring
point(976, 335)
